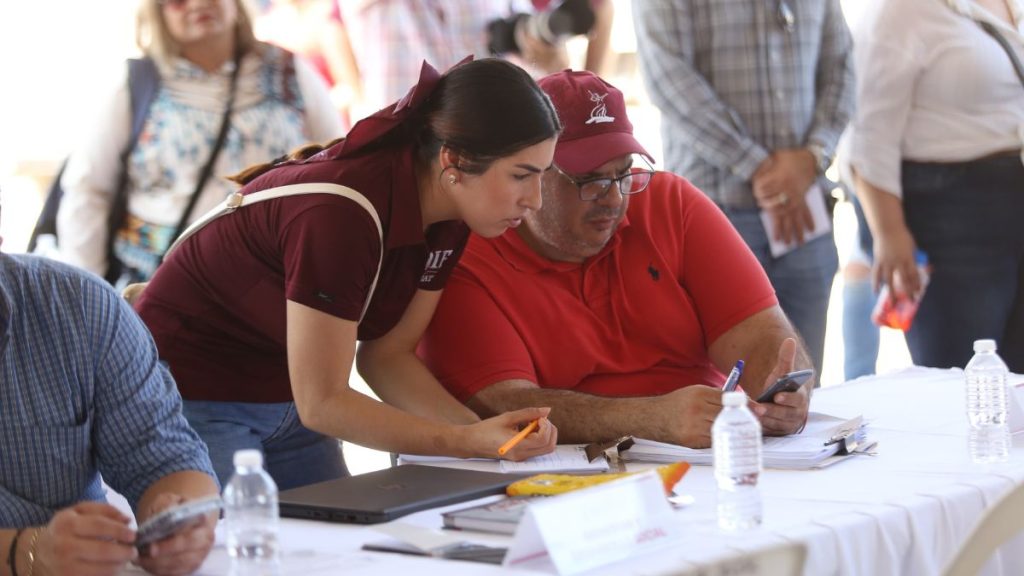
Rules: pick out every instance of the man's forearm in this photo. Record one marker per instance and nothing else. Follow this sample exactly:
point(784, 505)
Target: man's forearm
point(580, 418)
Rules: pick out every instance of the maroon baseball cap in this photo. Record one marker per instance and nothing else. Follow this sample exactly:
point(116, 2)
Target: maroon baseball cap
point(595, 129)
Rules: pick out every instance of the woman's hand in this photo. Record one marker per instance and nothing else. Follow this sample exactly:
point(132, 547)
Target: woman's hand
point(487, 436)
point(133, 292)
point(894, 263)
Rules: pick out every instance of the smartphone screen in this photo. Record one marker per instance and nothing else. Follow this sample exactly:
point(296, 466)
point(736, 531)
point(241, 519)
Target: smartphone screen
point(787, 383)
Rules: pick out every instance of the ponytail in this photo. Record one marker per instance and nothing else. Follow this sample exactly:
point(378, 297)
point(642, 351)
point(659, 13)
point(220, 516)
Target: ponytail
point(301, 153)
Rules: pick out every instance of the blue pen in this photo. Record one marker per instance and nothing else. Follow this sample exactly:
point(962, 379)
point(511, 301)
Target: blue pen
point(734, 377)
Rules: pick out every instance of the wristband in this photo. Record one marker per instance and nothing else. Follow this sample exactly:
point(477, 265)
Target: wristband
point(32, 552)
point(13, 551)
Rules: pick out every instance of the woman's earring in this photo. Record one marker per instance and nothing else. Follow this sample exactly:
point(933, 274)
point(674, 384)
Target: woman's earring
point(452, 179)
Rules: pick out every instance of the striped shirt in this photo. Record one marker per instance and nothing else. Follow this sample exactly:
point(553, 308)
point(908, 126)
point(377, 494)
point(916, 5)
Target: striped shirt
point(81, 394)
point(737, 79)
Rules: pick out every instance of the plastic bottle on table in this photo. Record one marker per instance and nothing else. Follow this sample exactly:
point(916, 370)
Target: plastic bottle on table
point(251, 517)
point(987, 396)
point(899, 313)
point(736, 443)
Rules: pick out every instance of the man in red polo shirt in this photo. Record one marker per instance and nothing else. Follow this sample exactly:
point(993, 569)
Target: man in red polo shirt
point(620, 303)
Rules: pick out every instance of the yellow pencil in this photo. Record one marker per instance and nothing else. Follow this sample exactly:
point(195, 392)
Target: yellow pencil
point(517, 438)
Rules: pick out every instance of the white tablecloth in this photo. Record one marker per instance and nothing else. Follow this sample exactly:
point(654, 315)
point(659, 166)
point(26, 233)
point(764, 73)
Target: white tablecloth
point(903, 512)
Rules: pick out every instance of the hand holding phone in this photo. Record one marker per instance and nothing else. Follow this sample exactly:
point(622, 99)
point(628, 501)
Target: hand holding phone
point(176, 519)
point(790, 382)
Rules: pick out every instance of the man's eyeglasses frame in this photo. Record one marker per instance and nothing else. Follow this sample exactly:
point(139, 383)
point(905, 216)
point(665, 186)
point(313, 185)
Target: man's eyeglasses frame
point(605, 183)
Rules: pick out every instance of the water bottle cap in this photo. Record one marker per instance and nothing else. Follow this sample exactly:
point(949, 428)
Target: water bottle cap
point(248, 458)
point(985, 345)
point(734, 398)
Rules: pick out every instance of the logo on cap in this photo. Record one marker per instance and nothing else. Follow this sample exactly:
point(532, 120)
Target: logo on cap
point(599, 113)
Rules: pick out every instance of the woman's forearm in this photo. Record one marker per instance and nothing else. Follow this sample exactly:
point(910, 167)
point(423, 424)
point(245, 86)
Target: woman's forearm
point(402, 380)
point(355, 417)
point(883, 209)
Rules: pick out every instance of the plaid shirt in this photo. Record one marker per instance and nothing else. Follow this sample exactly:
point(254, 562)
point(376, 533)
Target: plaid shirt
point(734, 82)
point(81, 393)
point(392, 38)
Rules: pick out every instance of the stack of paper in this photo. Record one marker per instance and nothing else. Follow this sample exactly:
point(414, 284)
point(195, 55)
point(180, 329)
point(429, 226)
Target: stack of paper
point(819, 440)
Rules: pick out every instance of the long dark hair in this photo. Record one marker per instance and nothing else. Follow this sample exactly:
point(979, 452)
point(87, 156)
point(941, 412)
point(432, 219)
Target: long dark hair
point(482, 110)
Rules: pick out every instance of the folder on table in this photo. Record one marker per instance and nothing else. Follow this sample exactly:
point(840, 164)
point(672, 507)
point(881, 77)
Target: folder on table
point(822, 438)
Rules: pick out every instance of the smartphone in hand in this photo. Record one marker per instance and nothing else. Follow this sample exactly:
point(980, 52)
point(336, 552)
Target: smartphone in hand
point(175, 519)
point(787, 383)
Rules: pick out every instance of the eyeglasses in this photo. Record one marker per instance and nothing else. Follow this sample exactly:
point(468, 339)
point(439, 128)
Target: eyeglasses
point(785, 16)
point(632, 182)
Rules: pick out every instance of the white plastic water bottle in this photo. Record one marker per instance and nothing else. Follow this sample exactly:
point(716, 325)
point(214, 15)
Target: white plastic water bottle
point(989, 435)
point(251, 517)
point(736, 442)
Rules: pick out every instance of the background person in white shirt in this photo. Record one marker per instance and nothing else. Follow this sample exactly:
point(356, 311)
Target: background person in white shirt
point(936, 148)
point(280, 103)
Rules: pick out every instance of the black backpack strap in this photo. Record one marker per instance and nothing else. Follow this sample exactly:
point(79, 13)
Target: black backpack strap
point(143, 85)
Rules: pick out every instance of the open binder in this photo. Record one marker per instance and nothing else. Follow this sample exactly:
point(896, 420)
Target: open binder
point(824, 440)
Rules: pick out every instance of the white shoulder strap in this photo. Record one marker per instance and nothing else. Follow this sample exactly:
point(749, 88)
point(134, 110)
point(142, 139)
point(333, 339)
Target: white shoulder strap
point(237, 200)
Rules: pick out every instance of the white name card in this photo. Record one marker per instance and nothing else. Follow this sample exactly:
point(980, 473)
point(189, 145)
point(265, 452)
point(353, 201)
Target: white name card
point(580, 530)
point(1015, 411)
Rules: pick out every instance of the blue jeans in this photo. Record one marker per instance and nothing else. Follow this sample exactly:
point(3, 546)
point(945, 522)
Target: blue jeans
point(967, 217)
point(860, 334)
point(802, 278)
point(293, 454)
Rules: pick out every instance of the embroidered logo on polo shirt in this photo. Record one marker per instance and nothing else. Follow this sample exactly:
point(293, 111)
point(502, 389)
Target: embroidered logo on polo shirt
point(435, 261)
point(653, 272)
point(599, 113)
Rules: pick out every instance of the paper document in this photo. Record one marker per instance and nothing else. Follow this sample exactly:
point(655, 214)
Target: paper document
point(565, 458)
point(819, 213)
point(817, 442)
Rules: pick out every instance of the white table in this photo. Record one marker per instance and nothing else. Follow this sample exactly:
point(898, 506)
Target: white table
point(902, 512)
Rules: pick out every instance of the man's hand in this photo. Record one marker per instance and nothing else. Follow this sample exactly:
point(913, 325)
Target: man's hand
point(780, 187)
point(87, 539)
point(787, 412)
point(688, 413)
point(181, 553)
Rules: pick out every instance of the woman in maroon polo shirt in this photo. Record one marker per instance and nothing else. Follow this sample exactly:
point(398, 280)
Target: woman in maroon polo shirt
point(258, 312)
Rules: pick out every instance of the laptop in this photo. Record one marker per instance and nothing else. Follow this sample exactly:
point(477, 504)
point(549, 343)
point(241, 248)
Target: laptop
point(391, 493)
